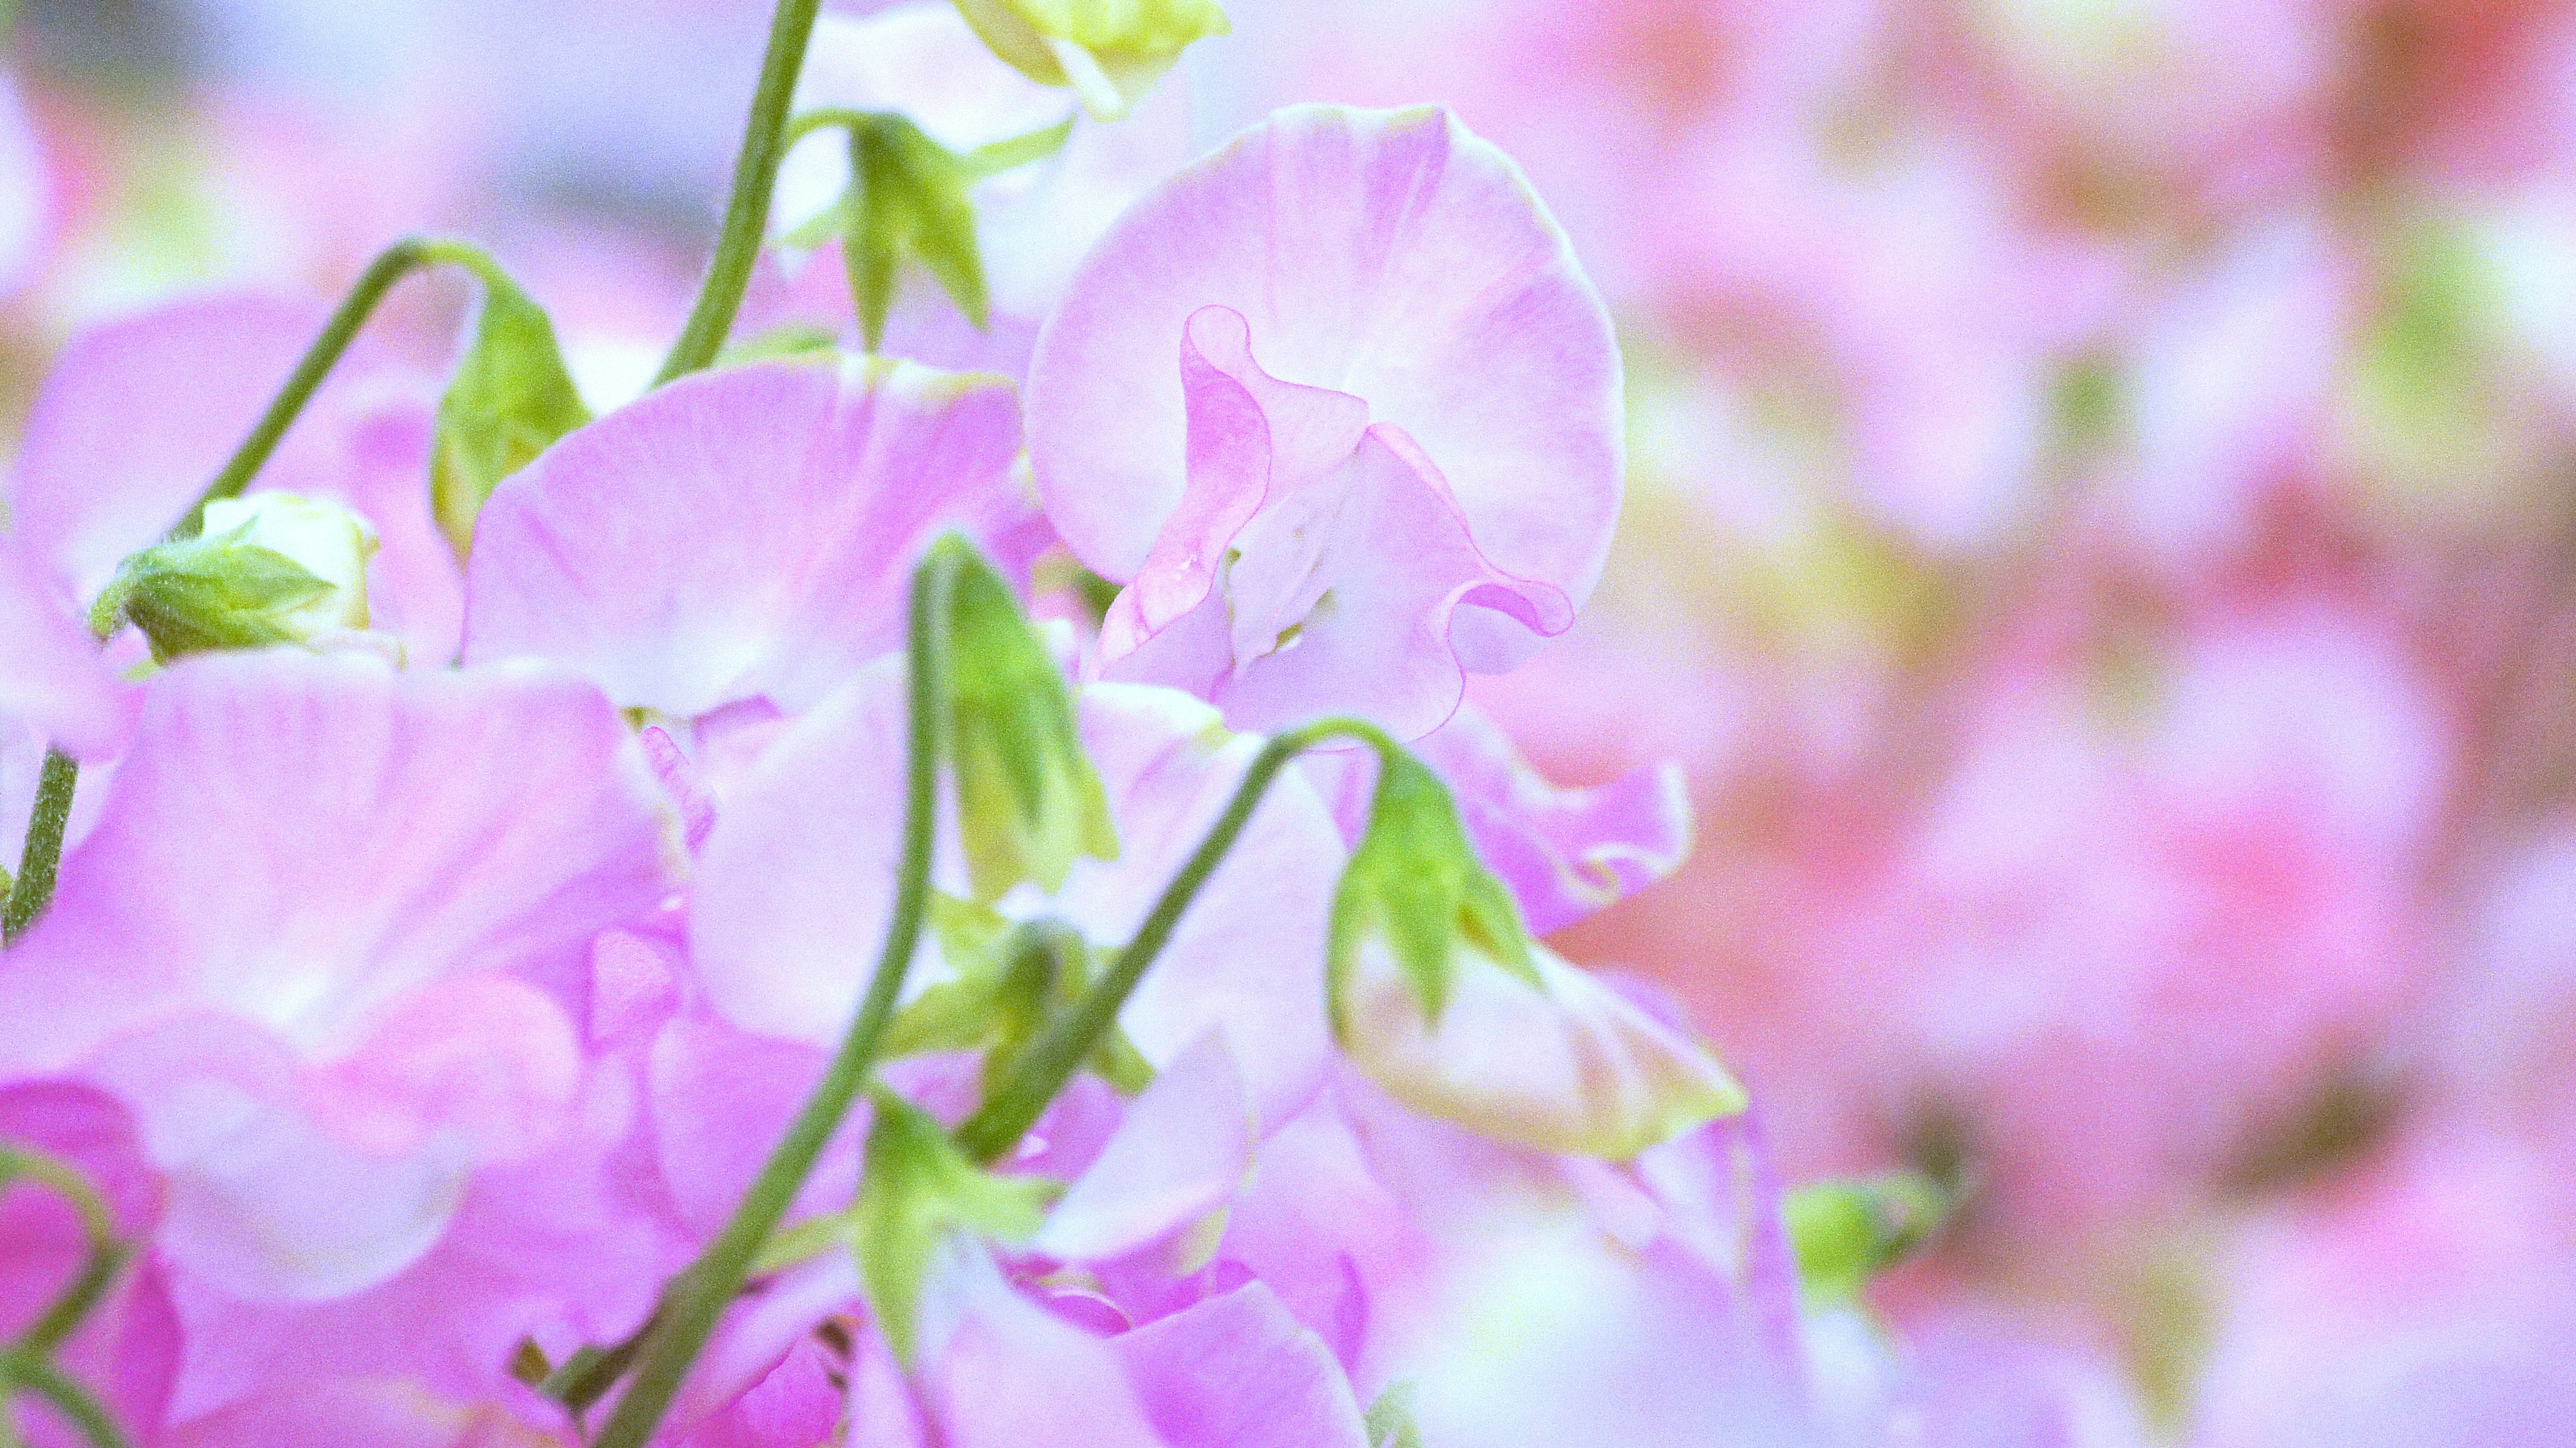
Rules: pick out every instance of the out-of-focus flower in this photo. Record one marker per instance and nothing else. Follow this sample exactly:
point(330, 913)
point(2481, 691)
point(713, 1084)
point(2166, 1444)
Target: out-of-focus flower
point(2429, 1299)
point(1392, 455)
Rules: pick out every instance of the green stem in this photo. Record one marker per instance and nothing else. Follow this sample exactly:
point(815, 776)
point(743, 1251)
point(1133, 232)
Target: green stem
point(396, 262)
point(43, 852)
point(755, 174)
point(698, 1297)
point(68, 1398)
point(1042, 1070)
point(106, 1254)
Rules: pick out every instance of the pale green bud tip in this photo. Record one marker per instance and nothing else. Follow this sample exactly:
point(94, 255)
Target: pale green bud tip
point(271, 568)
point(1846, 1232)
point(320, 537)
point(1110, 54)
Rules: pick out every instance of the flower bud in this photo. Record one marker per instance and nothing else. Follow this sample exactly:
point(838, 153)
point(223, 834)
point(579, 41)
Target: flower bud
point(1111, 55)
point(1440, 997)
point(270, 568)
point(1028, 800)
point(1846, 1232)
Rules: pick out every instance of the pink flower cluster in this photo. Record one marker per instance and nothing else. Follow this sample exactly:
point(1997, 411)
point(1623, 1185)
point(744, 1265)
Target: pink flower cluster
point(423, 992)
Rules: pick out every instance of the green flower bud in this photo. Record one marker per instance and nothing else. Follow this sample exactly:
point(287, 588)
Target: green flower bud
point(1028, 800)
point(269, 568)
point(1111, 52)
point(1846, 1232)
point(510, 399)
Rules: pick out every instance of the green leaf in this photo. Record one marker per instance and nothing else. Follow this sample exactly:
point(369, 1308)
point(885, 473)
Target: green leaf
point(1846, 1232)
point(918, 1192)
point(1111, 52)
point(1416, 886)
point(510, 399)
point(1028, 800)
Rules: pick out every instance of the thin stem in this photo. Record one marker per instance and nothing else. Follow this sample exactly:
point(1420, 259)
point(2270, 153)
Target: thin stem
point(107, 1255)
point(755, 174)
point(1042, 1070)
point(43, 853)
point(67, 1397)
point(697, 1297)
point(396, 262)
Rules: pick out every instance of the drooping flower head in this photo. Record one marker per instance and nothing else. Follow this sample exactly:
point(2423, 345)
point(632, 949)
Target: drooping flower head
point(1340, 411)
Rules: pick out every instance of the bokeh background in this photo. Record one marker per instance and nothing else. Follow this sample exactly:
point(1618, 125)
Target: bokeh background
point(2101, 543)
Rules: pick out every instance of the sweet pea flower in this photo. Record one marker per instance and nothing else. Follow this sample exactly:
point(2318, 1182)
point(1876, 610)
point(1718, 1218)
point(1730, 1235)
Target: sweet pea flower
point(52, 678)
point(370, 1128)
point(1528, 1297)
point(745, 534)
point(25, 208)
point(1391, 452)
point(785, 889)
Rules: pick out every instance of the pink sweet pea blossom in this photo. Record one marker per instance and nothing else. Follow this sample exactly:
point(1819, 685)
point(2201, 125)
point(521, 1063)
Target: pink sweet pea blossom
point(745, 534)
point(371, 1129)
point(1366, 422)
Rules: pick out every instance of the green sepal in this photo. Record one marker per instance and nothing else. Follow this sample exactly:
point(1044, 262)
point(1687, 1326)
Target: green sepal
point(908, 197)
point(1028, 800)
point(919, 1191)
point(1415, 883)
point(1111, 52)
point(1005, 995)
point(510, 399)
point(196, 595)
point(1844, 1233)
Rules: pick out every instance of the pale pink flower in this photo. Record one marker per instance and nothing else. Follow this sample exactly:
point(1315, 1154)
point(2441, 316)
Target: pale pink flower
point(1338, 408)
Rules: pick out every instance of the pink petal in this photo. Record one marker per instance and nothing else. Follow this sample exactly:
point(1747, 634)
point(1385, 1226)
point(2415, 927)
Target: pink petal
point(1182, 1152)
point(1238, 1372)
point(139, 415)
point(1565, 852)
point(744, 532)
point(325, 836)
point(1384, 254)
point(52, 675)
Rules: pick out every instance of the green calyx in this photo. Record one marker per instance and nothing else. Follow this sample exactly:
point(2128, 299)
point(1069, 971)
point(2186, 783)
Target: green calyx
point(918, 1194)
point(1028, 801)
point(1012, 983)
point(212, 591)
point(1415, 887)
point(908, 197)
point(510, 399)
point(1844, 1233)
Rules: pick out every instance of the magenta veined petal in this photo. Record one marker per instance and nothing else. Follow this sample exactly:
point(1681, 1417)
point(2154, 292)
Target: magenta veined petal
point(746, 532)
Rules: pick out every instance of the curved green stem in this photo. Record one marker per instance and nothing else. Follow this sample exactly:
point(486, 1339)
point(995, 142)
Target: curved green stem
point(1042, 1070)
point(698, 1297)
point(107, 1255)
point(42, 854)
point(755, 174)
point(68, 1398)
point(392, 265)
